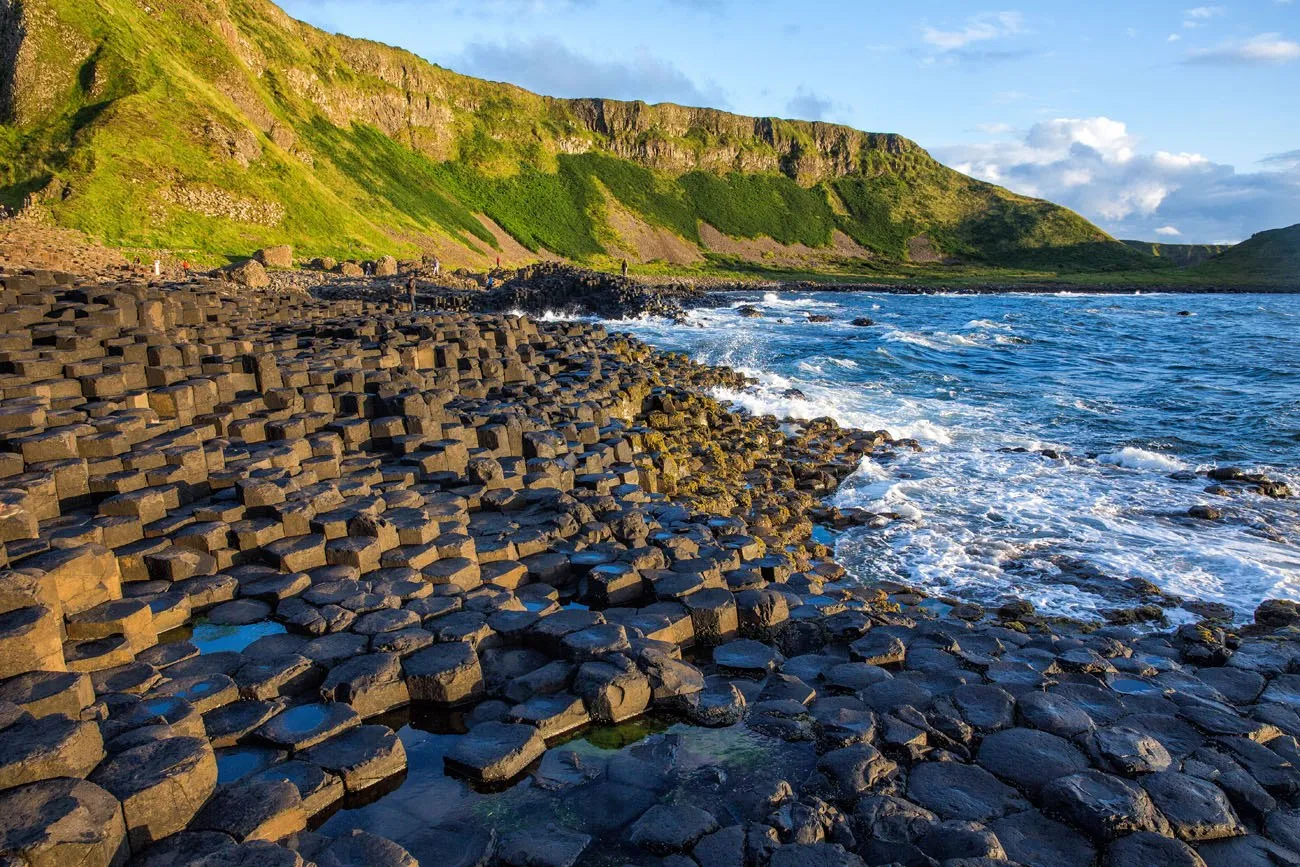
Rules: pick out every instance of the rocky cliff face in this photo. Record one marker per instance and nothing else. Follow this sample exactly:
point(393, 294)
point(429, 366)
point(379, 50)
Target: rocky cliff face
point(227, 125)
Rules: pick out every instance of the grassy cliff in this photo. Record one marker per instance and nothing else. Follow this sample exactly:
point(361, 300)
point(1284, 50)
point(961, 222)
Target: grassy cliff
point(1178, 255)
point(220, 126)
point(1271, 257)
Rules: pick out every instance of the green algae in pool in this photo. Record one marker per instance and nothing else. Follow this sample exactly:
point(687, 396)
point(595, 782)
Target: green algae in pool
point(582, 785)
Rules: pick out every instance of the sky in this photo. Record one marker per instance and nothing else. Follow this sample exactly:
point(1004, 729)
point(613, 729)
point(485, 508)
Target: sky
point(1161, 121)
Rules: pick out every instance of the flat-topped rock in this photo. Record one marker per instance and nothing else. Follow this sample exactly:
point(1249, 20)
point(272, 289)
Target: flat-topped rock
point(34, 749)
point(444, 673)
point(495, 752)
point(161, 785)
point(362, 757)
point(305, 725)
point(62, 822)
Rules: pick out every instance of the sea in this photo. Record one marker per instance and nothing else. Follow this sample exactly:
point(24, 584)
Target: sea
point(1133, 397)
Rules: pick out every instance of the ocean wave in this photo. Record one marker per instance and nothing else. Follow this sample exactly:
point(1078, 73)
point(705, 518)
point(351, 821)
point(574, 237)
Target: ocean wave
point(1140, 459)
point(940, 340)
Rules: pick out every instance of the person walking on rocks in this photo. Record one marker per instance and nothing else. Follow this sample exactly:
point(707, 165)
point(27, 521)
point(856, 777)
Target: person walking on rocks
point(410, 291)
point(624, 269)
point(437, 268)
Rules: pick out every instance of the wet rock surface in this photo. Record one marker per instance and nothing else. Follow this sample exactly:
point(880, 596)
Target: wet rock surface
point(292, 580)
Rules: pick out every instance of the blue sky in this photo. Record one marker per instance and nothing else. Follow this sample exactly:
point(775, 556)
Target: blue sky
point(1157, 120)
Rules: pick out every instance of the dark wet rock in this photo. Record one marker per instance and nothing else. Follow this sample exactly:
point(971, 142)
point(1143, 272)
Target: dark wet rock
point(363, 756)
point(552, 715)
point(720, 703)
point(1126, 750)
point(542, 847)
point(814, 855)
point(1277, 613)
point(1032, 838)
point(1146, 849)
point(722, 848)
point(1196, 809)
point(1053, 713)
point(229, 724)
point(444, 673)
point(1029, 759)
point(878, 648)
point(1247, 852)
point(183, 849)
point(957, 791)
point(897, 692)
point(317, 788)
point(851, 772)
point(359, 847)
point(254, 853)
point(239, 612)
point(613, 691)
point(305, 725)
point(1102, 705)
point(1179, 738)
point(495, 752)
point(843, 727)
point(667, 828)
point(956, 839)
point(1237, 685)
point(746, 656)
point(985, 707)
point(1104, 805)
point(371, 684)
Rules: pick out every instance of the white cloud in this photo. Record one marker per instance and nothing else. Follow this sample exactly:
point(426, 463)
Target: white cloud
point(1201, 14)
point(995, 128)
point(1167, 231)
point(1098, 167)
point(1263, 49)
point(1173, 37)
point(549, 67)
point(978, 28)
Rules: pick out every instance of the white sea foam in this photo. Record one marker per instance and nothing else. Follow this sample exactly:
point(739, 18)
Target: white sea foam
point(977, 521)
point(940, 340)
point(1141, 459)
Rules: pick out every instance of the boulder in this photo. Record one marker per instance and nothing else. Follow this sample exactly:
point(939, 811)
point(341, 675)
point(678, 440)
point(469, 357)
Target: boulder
point(275, 257)
point(249, 274)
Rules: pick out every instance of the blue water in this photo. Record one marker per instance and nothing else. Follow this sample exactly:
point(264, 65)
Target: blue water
point(1129, 391)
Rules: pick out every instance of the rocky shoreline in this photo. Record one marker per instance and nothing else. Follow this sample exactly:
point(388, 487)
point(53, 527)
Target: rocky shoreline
point(302, 577)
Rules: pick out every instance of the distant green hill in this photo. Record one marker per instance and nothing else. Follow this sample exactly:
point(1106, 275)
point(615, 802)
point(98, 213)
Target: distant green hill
point(1265, 257)
point(1180, 255)
point(221, 126)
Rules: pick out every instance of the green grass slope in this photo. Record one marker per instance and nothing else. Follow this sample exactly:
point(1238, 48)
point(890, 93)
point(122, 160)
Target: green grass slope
point(1271, 257)
point(221, 126)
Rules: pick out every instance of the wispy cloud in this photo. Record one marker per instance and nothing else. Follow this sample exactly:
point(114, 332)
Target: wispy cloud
point(1286, 159)
point(978, 28)
point(808, 105)
point(1261, 50)
point(1199, 15)
point(1168, 231)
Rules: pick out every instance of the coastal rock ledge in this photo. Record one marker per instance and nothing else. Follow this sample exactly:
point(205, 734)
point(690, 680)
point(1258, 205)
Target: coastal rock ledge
point(290, 579)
